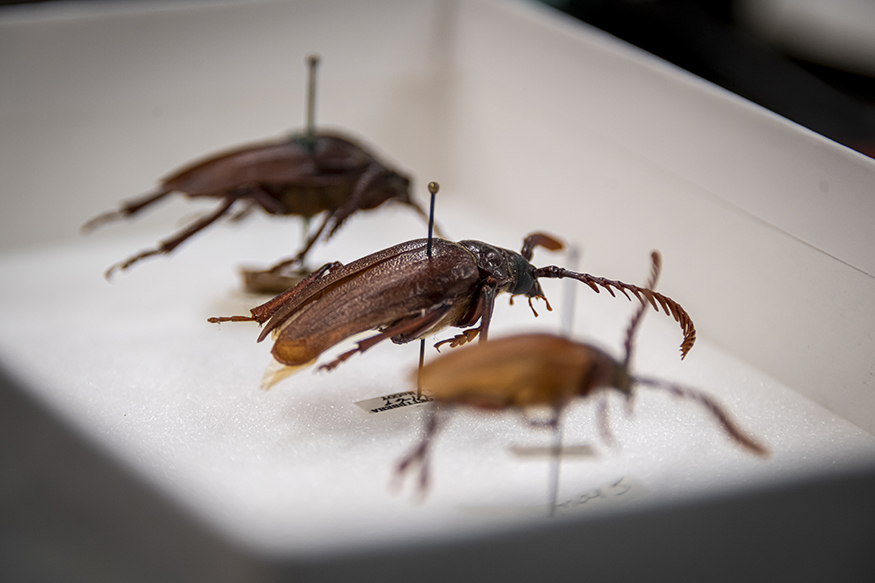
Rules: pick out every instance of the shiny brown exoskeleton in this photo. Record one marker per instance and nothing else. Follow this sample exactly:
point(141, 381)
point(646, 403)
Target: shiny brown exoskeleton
point(405, 295)
point(301, 175)
point(542, 371)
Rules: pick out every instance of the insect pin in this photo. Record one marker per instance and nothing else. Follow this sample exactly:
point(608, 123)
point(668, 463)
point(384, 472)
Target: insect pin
point(405, 294)
point(542, 371)
point(303, 174)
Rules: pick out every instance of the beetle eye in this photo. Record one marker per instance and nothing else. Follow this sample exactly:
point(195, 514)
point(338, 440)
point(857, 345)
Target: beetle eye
point(524, 277)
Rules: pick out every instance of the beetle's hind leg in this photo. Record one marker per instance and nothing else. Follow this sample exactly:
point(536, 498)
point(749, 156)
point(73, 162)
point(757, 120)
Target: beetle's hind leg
point(299, 258)
point(407, 330)
point(419, 455)
point(169, 245)
point(127, 209)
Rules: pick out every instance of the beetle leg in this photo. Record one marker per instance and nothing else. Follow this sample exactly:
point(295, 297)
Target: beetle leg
point(264, 312)
point(169, 245)
point(487, 297)
point(417, 326)
point(481, 308)
point(267, 202)
point(299, 258)
point(419, 455)
point(354, 202)
point(603, 421)
point(127, 209)
point(242, 213)
point(459, 339)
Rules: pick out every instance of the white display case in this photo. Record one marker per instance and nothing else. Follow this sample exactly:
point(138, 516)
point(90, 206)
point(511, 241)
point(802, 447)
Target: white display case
point(139, 444)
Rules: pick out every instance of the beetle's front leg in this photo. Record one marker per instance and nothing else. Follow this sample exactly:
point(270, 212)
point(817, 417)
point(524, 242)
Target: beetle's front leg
point(481, 308)
point(127, 209)
point(459, 339)
point(169, 245)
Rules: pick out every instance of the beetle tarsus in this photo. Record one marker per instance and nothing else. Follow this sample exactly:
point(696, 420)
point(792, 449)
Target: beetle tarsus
point(340, 359)
point(459, 339)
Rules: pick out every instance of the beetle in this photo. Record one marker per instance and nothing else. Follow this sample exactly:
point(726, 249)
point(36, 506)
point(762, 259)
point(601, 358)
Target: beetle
point(405, 294)
point(531, 371)
point(300, 175)
point(303, 174)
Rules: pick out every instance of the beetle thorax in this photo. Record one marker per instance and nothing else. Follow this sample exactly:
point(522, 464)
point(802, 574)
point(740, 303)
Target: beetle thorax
point(510, 269)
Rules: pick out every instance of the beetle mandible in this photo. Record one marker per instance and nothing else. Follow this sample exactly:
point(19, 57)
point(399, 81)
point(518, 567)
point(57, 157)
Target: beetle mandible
point(406, 295)
point(542, 371)
point(304, 174)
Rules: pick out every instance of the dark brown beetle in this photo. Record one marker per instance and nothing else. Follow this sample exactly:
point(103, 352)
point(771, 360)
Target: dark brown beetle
point(541, 370)
point(406, 295)
point(302, 175)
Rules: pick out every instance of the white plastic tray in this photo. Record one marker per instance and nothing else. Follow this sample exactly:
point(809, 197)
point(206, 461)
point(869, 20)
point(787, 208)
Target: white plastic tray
point(529, 122)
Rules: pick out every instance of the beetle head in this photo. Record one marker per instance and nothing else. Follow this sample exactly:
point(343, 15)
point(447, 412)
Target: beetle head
point(387, 186)
point(523, 273)
point(512, 271)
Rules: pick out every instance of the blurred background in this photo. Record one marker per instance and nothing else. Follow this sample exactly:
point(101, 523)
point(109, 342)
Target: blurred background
point(812, 61)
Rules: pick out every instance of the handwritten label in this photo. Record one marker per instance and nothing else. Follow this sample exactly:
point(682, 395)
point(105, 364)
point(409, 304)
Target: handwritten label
point(393, 402)
point(624, 488)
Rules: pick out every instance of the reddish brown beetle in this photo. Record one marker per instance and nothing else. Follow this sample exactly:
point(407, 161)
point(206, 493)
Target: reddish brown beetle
point(405, 295)
point(542, 370)
point(302, 175)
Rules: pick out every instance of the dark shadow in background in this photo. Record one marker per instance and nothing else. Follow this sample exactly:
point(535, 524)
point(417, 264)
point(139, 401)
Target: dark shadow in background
point(702, 37)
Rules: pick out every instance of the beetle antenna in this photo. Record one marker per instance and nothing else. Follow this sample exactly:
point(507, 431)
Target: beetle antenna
point(312, 63)
point(655, 268)
point(655, 299)
point(713, 407)
point(539, 240)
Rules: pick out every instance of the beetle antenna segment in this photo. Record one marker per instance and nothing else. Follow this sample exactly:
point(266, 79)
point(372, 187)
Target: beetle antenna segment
point(655, 268)
point(713, 407)
point(655, 299)
point(539, 240)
